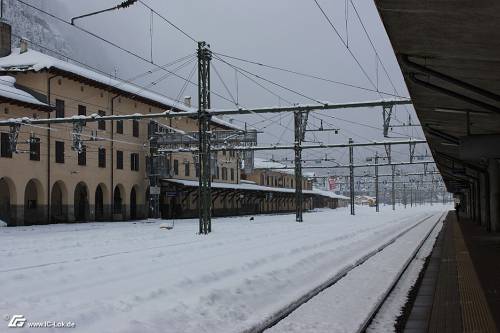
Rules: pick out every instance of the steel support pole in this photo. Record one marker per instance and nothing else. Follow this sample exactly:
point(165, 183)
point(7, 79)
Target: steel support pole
point(204, 189)
point(298, 166)
point(351, 175)
point(377, 207)
point(393, 194)
point(404, 194)
point(154, 179)
point(411, 195)
point(432, 193)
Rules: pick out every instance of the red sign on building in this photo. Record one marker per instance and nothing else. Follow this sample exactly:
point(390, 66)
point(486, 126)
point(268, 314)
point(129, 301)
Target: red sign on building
point(332, 183)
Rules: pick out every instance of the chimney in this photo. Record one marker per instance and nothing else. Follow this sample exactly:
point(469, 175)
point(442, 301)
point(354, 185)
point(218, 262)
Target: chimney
point(187, 101)
point(23, 45)
point(5, 38)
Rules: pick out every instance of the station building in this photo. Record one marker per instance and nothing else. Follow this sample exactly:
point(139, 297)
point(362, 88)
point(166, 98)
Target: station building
point(44, 179)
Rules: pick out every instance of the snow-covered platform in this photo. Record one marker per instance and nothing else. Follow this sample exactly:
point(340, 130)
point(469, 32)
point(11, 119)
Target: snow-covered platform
point(137, 277)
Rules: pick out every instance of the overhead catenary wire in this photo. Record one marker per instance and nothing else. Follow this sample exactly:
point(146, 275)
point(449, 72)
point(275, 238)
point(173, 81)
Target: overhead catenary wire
point(377, 55)
point(168, 21)
point(121, 81)
point(270, 81)
point(132, 53)
point(184, 86)
point(259, 84)
point(345, 44)
point(311, 76)
point(224, 84)
point(226, 99)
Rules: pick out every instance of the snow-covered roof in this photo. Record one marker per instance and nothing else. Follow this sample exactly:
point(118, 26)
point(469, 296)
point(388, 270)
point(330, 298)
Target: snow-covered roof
point(255, 187)
point(260, 163)
point(8, 90)
point(330, 194)
point(32, 60)
point(224, 123)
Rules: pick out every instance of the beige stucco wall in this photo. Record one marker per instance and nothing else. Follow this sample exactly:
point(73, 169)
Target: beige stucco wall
point(19, 170)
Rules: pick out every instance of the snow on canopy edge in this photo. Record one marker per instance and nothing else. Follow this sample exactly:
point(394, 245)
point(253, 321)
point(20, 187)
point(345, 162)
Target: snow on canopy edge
point(255, 187)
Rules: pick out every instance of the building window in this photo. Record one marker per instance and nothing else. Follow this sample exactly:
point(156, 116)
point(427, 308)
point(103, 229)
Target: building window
point(82, 157)
point(59, 108)
point(135, 128)
point(34, 149)
point(134, 162)
point(176, 167)
point(82, 111)
point(59, 152)
point(262, 181)
point(232, 174)
point(197, 169)
point(119, 159)
point(186, 169)
point(119, 126)
point(5, 146)
point(217, 174)
point(101, 156)
point(224, 173)
point(101, 124)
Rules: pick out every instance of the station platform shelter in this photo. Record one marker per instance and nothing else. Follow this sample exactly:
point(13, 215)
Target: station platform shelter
point(179, 198)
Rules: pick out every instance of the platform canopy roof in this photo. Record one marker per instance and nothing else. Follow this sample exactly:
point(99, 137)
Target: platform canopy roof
point(449, 53)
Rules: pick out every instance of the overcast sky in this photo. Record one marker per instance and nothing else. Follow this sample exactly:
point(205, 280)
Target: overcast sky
point(286, 33)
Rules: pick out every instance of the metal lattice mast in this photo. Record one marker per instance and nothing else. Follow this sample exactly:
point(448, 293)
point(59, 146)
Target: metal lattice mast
point(154, 179)
point(377, 207)
point(393, 193)
point(351, 174)
point(204, 189)
point(404, 194)
point(300, 119)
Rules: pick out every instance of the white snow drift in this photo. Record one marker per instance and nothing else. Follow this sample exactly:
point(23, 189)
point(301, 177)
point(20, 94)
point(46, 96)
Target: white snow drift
point(136, 277)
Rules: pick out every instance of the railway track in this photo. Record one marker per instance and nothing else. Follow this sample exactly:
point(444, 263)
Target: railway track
point(284, 312)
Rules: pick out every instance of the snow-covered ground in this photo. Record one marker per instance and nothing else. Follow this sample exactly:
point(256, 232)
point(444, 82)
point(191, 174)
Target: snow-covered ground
point(136, 277)
point(354, 297)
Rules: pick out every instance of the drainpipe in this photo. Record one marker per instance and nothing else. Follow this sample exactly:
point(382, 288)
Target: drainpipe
point(112, 192)
point(48, 150)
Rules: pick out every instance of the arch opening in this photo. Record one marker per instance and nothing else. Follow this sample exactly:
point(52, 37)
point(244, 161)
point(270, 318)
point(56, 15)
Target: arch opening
point(33, 203)
point(117, 201)
point(58, 203)
point(81, 202)
point(133, 204)
point(7, 200)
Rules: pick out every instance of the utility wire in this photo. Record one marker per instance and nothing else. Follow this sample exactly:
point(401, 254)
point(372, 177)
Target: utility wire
point(168, 21)
point(258, 83)
point(379, 59)
point(269, 81)
point(114, 45)
point(184, 86)
point(224, 84)
point(345, 44)
point(308, 75)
